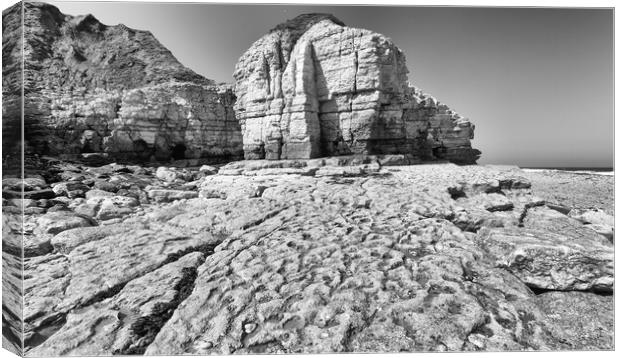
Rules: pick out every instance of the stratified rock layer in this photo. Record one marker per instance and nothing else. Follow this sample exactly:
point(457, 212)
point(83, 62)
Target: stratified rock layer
point(313, 87)
point(89, 87)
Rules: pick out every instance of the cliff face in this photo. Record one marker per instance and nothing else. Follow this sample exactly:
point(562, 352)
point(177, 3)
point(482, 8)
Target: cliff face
point(92, 87)
point(314, 87)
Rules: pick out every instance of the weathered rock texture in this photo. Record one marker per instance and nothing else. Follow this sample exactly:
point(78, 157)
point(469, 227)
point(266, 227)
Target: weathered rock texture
point(313, 87)
point(337, 254)
point(95, 88)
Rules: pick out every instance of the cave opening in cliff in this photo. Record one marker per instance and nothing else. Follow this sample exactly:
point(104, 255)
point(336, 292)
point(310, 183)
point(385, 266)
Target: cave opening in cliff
point(87, 148)
point(141, 149)
point(140, 146)
point(178, 151)
point(439, 152)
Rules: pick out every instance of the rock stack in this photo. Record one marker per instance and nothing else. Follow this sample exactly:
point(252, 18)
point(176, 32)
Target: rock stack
point(314, 87)
point(89, 87)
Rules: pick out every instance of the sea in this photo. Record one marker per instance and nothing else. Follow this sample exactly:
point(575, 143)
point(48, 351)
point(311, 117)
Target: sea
point(573, 170)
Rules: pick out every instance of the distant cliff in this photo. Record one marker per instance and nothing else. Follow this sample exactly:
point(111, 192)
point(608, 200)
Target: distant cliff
point(95, 88)
point(314, 87)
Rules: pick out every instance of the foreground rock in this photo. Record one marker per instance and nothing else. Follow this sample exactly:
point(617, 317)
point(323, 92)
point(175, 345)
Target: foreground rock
point(561, 314)
point(126, 323)
point(551, 261)
point(314, 87)
point(336, 254)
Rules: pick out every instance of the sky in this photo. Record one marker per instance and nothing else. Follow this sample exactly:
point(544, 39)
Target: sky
point(536, 82)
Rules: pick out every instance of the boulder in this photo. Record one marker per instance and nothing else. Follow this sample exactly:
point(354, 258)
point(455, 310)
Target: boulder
point(112, 209)
point(96, 194)
point(37, 245)
point(58, 221)
point(168, 174)
point(86, 209)
point(71, 189)
point(106, 185)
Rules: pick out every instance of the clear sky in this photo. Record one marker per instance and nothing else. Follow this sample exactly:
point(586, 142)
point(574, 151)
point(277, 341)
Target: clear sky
point(538, 83)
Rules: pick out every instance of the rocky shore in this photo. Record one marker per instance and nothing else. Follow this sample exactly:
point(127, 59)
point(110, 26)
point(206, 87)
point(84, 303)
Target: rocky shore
point(348, 228)
point(340, 254)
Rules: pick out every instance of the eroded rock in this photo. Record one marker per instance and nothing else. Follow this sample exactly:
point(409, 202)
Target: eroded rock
point(551, 260)
point(406, 258)
point(107, 91)
point(56, 222)
point(314, 87)
point(168, 195)
point(560, 315)
point(127, 322)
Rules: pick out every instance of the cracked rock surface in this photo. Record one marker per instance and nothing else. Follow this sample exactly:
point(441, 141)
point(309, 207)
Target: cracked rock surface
point(276, 257)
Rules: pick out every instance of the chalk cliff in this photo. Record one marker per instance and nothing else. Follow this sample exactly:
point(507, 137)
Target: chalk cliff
point(91, 87)
point(314, 87)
